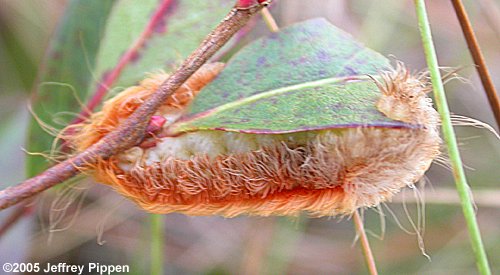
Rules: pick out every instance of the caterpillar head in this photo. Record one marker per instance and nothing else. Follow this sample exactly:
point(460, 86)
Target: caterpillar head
point(404, 96)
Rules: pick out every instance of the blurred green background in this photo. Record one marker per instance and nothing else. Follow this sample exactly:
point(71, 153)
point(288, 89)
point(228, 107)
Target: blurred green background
point(97, 225)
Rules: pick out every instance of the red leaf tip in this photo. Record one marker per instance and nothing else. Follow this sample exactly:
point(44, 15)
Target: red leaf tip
point(155, 124)
point(245, 4)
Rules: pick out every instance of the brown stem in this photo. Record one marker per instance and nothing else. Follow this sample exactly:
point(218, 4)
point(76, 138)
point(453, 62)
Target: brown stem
point(238, 37)
point(132, 131)
point(365, 245)
point(478, 58)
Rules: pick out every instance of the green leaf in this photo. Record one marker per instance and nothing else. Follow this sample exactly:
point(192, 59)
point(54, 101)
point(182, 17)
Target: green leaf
point(90, 43)
point(308, 76)
point(68, 61)
point(180, 28)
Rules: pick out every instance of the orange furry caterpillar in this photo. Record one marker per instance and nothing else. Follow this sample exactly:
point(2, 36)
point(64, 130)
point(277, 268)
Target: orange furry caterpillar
point(323, 172)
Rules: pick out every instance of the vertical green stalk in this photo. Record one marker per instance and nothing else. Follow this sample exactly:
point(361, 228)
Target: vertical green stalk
point(451, 142)
point(156, 224)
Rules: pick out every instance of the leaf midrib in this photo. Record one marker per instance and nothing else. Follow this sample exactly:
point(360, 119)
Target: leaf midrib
point(266, 94)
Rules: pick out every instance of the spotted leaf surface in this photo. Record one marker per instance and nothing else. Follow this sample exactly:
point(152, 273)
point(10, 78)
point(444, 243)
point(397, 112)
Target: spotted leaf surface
point(309, 76)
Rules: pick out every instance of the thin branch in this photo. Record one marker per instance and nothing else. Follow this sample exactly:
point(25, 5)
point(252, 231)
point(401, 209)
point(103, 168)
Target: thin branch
point(132, 130)
point(365, 245)
point(478, 58)
point(242, 33)
point(237, 39)
point(450, 139)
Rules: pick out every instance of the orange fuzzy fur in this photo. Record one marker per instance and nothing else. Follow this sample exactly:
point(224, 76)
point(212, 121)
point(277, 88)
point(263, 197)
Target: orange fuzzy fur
point(331, 172)
point(124, 104)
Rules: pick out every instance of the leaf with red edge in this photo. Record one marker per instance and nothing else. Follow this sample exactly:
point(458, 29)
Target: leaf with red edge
point(151, 36)
point(65, 74)
point(309, 76)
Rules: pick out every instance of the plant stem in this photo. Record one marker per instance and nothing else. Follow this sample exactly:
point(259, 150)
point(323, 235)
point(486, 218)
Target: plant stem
point(157, 241)
point(478, 58)
point(450, 139)
point(132, 130)
point(269, 20)
point(365, 245)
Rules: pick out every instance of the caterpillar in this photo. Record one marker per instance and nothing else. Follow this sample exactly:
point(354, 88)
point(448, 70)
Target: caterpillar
point(322, 172)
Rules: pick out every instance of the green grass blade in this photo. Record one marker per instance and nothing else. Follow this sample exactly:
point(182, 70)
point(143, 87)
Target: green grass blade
point(156, 224)
point(450, 139)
